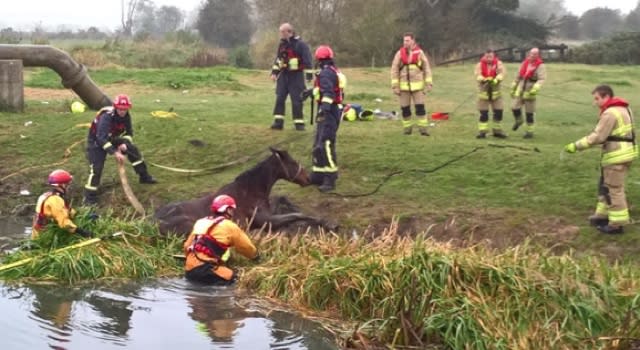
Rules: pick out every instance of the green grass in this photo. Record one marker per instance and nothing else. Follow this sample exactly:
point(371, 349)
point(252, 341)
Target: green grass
point(534, 192)
point(139, 253)
point(177, 78)
point(402, 291)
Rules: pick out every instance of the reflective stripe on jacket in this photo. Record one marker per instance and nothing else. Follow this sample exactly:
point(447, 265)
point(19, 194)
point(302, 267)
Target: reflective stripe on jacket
point(413, 76)
point(616, 123)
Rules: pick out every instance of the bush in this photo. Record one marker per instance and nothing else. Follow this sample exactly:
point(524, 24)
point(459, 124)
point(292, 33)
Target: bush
point(208, 57)
point(623, 48)
point(240, 57)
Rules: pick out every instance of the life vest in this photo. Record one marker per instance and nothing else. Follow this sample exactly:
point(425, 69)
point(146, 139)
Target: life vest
point(412, 58)
point(288, 58)
point(528, 69)
point(118, 126)
point(40, 220)
point(207, 244)
point(489, 70)
point(338, 89)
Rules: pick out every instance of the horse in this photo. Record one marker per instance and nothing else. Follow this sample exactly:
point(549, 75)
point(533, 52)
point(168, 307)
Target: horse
point(251, 190)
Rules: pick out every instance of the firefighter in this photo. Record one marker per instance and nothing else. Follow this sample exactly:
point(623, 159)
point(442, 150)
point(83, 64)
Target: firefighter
point(525, 89)
point(207, 247)
point(489, 73)
point(292, 65)
point(111, 133)
point(329, 93)
point(615, 133)
point(410, 75)
point(53, 206)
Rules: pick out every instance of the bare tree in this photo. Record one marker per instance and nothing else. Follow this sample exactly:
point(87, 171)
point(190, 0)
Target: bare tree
point(128, 14)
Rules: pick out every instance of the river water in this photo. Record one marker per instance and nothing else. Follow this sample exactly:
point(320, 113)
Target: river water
point(157, 314)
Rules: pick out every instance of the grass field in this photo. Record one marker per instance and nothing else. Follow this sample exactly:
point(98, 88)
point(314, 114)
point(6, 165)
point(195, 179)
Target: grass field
point(502, 194)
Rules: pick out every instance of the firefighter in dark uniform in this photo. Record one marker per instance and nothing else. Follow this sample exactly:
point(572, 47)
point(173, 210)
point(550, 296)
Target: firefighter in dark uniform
point(292, 65)
point(329, 93)
point(111, 133)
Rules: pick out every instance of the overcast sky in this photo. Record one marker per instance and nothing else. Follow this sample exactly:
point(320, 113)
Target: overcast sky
point(25, 14)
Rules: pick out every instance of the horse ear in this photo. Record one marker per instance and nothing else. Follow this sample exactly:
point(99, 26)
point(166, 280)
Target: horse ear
point(275, 151)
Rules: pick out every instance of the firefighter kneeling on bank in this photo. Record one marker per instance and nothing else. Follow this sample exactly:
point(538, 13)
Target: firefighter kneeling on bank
point(207, 248)
point(615, 133)
point(329, 93)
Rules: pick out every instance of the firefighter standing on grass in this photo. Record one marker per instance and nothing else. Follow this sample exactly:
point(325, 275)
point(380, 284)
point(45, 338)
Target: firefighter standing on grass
point(111, 133)
point(489, 73)
point(292, 65)
point(207, 247)
point(53, 206)
point(329, 93)
point(615, 133)
point(410, 75)
point(525, 89)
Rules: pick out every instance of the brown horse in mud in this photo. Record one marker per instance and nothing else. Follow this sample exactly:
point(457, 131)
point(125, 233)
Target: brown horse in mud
point(251, 191)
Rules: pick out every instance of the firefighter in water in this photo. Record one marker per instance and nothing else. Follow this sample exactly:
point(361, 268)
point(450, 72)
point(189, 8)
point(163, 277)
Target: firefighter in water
point(489, 73)
point(111, 133)
point(292, 65)
point(410, 76)
point(329, 93)
point(525, 88)
point(615, 133)
point(208, 246)
point(53, 206)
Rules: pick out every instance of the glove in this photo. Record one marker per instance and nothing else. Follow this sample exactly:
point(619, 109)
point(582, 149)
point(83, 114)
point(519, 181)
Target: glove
point(308, 76)
point(570, 148)
point(494, 82)
point(84, 233)
point(257, 259)
point(534, 90)
point(396, 90)
point(527, 95)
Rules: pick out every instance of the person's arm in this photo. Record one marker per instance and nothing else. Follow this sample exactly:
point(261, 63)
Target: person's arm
point(501, 72)
point(241, 242)
point(56, 209)
point(426, 68)
point(541, 73)
point(307, 60)
point(395, 71)
point(326, 81)
point(599, 135)
point(102, 133)
point(187, 244)
point(478, 72)
point(128, 128)
point(275, 68)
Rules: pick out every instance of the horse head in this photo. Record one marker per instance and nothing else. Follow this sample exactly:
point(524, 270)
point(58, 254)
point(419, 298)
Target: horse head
point(290, 169)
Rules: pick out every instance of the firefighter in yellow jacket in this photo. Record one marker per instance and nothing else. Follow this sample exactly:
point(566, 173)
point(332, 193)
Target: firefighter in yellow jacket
point(53, 206)
point(489, 74)
point(207, 247)
point(525, 88)
point(615, 133)
point(410, 76)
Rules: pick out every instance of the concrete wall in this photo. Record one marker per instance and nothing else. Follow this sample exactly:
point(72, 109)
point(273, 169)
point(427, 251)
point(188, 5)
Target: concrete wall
point(11, 86)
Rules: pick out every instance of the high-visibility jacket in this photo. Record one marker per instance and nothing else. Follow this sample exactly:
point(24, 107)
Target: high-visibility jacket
point(222, 232)
point(615, 133)
point(524, 83)
point(108, 125)
point(489, 70)
point(329, 84)
point(52, 207)
point(410, 70)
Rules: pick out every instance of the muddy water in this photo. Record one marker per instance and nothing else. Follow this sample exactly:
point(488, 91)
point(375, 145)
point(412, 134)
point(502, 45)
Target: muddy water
point(159, 314)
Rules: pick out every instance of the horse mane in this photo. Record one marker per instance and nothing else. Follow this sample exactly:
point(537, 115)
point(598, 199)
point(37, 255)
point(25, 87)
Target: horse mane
point(250, 174)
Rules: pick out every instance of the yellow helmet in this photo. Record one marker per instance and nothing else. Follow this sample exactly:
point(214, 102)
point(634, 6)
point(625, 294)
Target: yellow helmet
point(78, 107)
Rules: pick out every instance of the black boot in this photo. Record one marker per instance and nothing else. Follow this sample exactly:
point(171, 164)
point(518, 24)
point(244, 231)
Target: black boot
point(328, 184)
point(145, 177)
point(596, 221)
point(90, 198)
point(278, 124)
point(482, 135)
point(299, 126)
point(611, 230)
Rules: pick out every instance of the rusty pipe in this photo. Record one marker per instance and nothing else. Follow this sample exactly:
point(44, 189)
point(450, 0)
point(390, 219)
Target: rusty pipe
point(74, 75)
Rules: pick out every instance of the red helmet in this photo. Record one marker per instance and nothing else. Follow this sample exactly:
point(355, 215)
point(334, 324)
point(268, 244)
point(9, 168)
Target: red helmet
point(58, 177)
point(324, 52)
point(221, 203)
point(122, 101)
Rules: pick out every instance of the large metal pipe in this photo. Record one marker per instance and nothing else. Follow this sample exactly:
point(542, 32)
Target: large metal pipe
point(74, 75)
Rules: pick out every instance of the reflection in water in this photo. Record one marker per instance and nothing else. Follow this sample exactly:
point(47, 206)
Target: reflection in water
point(165, 314)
